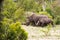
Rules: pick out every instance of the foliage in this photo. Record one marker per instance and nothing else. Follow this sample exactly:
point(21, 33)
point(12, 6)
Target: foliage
point(45, 13)
point(15, 9)
point(55, 7)
point(57, 20)
point(29, 5)
point(8, 8)
point(12, 10)
point(57, 15)
point(48, 9)
point(12, 31)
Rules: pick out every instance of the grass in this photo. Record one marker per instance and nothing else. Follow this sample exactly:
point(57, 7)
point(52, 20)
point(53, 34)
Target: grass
point(38, 33)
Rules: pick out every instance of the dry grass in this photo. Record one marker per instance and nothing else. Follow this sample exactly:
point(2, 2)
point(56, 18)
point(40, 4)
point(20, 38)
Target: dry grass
point(39, 33)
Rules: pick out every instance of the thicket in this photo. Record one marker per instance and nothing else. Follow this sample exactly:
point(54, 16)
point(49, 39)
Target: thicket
point(15, 10)
point(10, 26)
point(12, 31)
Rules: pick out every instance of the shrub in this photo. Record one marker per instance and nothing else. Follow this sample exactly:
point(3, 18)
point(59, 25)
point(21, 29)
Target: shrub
point(56, 11)
point(48, 9)
point(45, 13)
point(12, 31)
point(57, 15)
point(57, 20)
point(19, 15)
point(13, 10)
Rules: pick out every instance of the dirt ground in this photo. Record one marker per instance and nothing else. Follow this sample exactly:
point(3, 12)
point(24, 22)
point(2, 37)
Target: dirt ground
point(40, 33)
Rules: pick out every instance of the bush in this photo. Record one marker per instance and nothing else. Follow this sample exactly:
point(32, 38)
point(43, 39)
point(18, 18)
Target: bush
point(12, 31)
point(45, 13)
point(19, 15)
point(57, 20)
point(56, 11)
point(57, 15)
point(48, 9)
point(13, 10)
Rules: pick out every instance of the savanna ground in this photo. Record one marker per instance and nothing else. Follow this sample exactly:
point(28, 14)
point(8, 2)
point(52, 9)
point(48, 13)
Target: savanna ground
point(42, 33)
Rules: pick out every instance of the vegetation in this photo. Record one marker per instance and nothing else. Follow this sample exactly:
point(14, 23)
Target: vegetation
point(15, 9)
point(12, 31)
point(12, 14)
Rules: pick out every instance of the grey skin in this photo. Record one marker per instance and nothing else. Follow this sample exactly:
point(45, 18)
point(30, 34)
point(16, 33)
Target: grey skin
point(34, 19)
point(44, 22)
